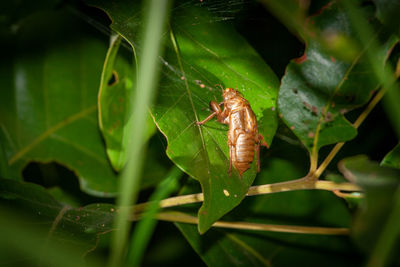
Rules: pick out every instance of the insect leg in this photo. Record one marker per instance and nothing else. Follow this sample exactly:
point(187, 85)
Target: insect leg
point(232, 151)
point(217, 111)
point(230, 159)
point(207, 119)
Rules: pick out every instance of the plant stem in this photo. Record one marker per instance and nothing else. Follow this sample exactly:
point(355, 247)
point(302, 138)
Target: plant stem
point(388, 237)
point(313, 159)
point(174, 216)
point(298, 184)
point(356, 124)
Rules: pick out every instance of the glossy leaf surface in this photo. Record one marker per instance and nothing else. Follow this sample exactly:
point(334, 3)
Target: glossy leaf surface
point(331, 78)
point(196, 60)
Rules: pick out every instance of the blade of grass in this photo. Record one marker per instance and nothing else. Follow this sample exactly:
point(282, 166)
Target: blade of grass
point(385, 74)
point(390, 232)
point(389, 236)
point(291, 14)
point(145, 227)
point(392, 107)
point(155, 15)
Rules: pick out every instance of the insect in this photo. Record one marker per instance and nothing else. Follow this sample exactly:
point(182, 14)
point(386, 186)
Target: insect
point(243, 136)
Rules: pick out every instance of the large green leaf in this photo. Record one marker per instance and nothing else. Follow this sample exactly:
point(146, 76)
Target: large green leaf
point(221, 247)
point(376, 225)
point(79, 228)
point(319, 88)
point(201, 52)
point(50, 78)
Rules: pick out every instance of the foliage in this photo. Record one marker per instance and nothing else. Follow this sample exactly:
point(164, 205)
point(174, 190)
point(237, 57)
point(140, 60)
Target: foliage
point(66, 115)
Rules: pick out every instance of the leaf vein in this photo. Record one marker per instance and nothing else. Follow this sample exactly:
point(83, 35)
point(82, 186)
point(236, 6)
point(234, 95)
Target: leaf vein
point(24, 150)
point(80, 148)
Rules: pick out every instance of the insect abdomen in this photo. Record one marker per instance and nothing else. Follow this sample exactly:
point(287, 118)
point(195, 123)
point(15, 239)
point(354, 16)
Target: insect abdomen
point(245, 146)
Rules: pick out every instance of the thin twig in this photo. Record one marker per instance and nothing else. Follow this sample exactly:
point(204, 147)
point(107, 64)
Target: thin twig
point(298, 184)
point(356, 124)
point(174, 216)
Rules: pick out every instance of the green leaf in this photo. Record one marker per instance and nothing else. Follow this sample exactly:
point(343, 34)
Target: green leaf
point(392, 159)
point(319, 88)
point(116, 87)
point(74, 227)
point(376, 223)
point(50, 78)
point(199, 56)
point(223, 247)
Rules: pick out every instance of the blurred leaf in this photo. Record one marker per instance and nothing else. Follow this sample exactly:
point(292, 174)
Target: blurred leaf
point(388, 12)
point(318, 89)
point(63, 197)
point(12, 13)
point(51, 73)
point(353, 199)
point(392, 159)
point(23, 243)
point(201, 59)
point(116, 85)
point(156, 163)
point(380, 185)
point(290, 12)
point(223, 247)
point(73, 227)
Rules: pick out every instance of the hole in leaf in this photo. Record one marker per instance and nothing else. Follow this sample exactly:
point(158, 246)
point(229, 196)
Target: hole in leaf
point(113, 79)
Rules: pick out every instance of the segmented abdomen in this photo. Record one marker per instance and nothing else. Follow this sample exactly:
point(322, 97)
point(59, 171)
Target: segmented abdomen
point(245, 146)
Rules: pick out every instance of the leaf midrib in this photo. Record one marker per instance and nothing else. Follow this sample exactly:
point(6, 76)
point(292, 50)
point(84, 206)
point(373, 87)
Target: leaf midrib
point(329, 102)
point(177, 52)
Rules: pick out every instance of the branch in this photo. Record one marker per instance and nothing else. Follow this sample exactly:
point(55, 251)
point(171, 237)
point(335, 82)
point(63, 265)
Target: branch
point(174, 216)
point(298, 184)
point(356, 124)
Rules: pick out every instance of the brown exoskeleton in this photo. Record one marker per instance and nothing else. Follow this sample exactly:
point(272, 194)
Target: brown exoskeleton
point(243, 136)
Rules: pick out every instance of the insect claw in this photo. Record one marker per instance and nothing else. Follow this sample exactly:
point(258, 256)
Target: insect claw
point(262, 141)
